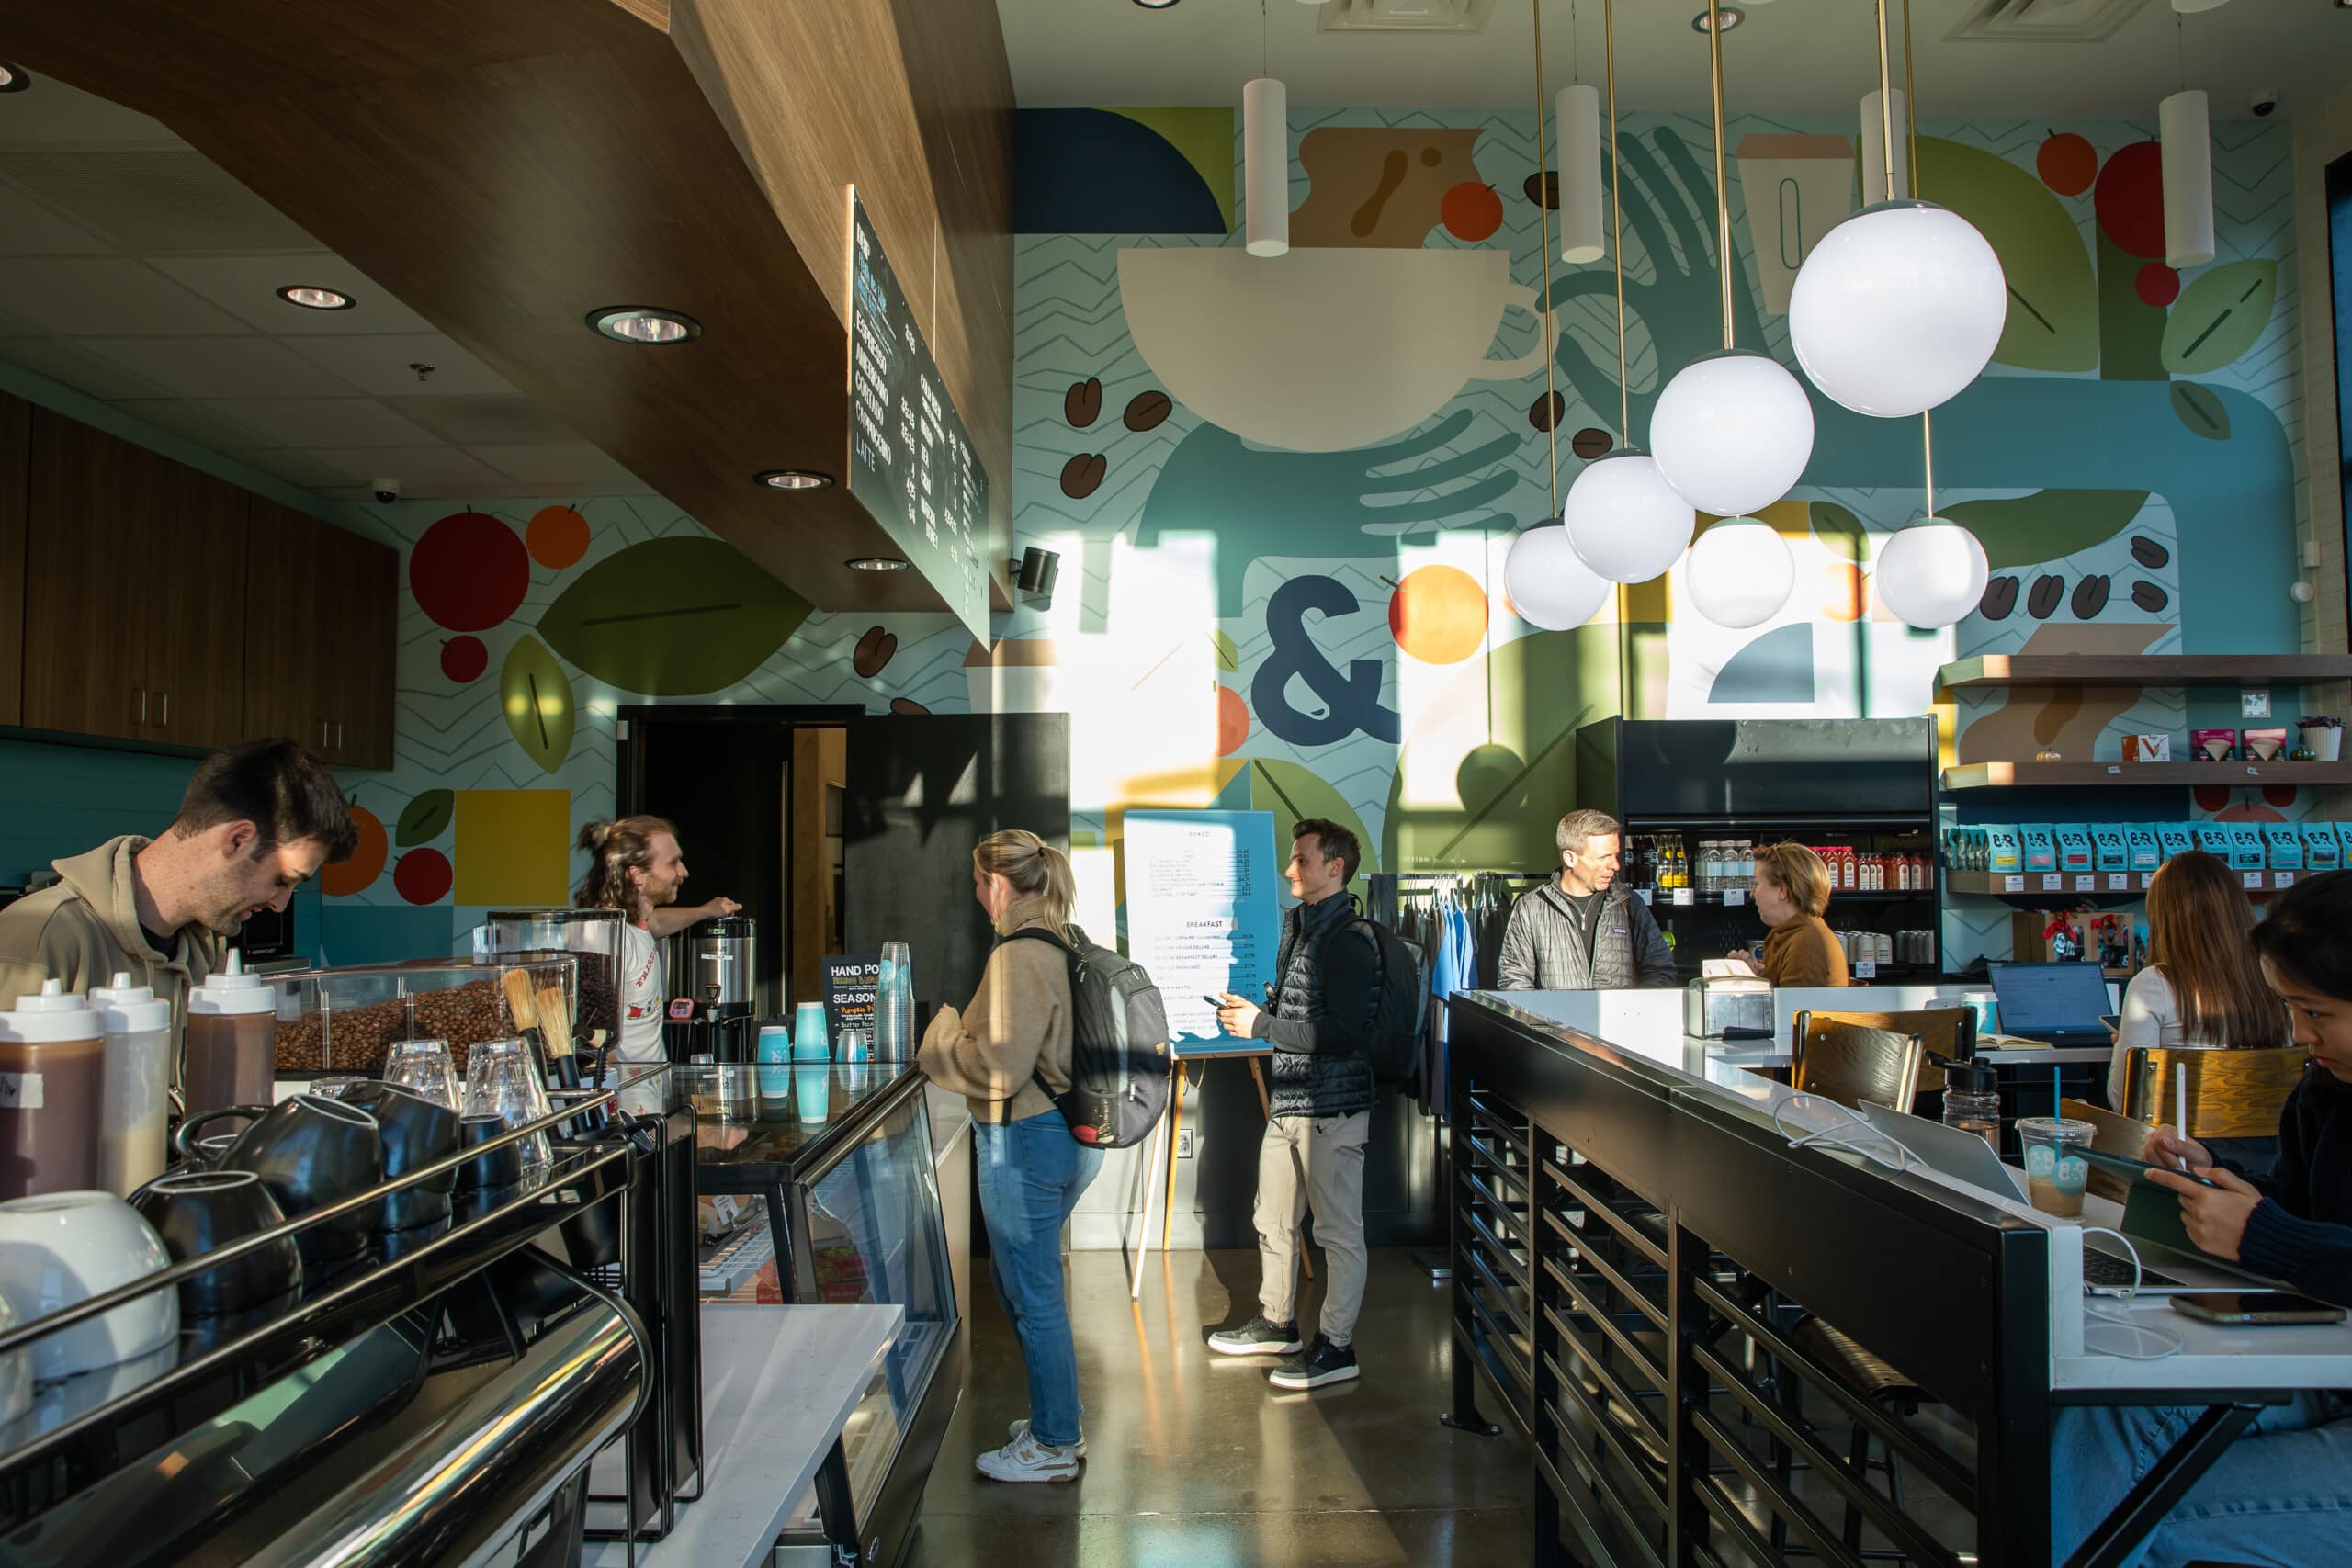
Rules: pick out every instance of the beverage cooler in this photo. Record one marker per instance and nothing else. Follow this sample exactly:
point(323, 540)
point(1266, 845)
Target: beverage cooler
point(1698, 798)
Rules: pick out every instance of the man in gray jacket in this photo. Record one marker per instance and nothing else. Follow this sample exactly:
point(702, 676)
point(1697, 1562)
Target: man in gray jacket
point(1581, 931)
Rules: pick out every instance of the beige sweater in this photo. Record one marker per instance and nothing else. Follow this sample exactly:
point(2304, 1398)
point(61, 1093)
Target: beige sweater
point(1018, 1023)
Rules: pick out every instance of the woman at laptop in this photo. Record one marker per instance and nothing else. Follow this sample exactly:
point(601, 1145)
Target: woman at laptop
point(1791, 891)
point(2202, 988)
point(2283, 1493)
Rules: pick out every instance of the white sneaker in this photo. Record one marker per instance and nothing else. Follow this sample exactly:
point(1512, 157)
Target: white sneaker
point(1019, 1429)
point(1026, 1458)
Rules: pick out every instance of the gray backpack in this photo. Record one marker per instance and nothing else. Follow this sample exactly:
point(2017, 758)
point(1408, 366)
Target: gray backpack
point(1119, 1060)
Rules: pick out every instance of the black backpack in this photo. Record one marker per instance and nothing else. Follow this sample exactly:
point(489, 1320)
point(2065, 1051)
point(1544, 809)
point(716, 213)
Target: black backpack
point(1392, 1039)
point(1119, 1059)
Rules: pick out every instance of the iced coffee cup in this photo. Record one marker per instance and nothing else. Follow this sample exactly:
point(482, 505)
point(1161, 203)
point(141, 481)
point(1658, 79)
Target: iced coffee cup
point(2055, 1171)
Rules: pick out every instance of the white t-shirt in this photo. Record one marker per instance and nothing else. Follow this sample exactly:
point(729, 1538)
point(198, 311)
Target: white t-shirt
point(641, 996)
point(2152, 1017)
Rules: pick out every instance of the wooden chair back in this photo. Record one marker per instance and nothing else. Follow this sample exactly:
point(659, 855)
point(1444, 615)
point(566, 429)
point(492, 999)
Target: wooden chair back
point(1849, 1063)
point(1948, 1031)
point(2231, 1094)
point(2116, 1136)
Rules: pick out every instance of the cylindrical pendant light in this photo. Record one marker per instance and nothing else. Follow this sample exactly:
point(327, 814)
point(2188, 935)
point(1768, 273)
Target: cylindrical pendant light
point(1874, 158)
point(1578, 115)
point(1265, 154)
point(2187, 145)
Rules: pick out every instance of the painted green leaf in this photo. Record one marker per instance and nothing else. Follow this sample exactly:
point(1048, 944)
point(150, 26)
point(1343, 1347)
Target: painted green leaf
point(535, 695)
point(2219, 317)
point(1838, 529)
point(2200, 411)
point(2053, 299)
point(424, 818)
point(1228, 656)
point(2048, 524)
point(1293, 794)
point(2130, 330)
point(672, 617)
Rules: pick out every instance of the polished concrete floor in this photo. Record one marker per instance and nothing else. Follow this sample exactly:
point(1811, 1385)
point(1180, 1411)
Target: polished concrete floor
point(1193, 1463)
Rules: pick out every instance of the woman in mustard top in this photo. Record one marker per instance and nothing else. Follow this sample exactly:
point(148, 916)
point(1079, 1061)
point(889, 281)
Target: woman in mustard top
point(1791, 890)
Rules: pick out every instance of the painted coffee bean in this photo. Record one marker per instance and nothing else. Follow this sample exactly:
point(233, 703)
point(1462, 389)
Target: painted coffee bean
point(2090, 598)
point(2149, 553)
point(1147, 410)
point(2043, 602)
point(1082, 404)
point(873, 650)
point(2000, 599)
point(1545, 412)
point(1544, 188)
point(1082, 474)
point(2150, 597)
point(1590, 442)
point(906, 707)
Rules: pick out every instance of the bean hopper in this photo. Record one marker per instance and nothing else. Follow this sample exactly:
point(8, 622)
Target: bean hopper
point(591, 936)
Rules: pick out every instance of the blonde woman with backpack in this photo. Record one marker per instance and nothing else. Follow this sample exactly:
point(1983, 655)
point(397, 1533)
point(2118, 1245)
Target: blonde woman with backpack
point(1015, 1031)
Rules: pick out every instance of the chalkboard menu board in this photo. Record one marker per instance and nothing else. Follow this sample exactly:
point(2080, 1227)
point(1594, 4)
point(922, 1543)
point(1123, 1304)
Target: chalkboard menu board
point(910, 461)
point(850, 985)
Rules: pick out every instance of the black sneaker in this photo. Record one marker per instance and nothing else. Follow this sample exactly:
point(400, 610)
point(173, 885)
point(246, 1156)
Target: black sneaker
point(1324, 1362)
point(1257, 1337)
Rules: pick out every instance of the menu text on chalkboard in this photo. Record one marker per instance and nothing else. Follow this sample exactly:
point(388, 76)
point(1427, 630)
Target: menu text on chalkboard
point(911, 463)
point(850, 985)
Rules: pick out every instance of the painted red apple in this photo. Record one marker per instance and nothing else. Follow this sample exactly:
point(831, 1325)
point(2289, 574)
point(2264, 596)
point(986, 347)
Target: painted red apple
point(463, 658)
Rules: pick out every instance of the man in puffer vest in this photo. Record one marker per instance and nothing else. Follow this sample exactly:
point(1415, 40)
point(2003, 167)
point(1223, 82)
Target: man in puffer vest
point(1317, 1019)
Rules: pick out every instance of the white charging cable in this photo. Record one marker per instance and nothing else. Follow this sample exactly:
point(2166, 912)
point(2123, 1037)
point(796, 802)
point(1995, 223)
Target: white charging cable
point(2145, 1342)
point(1834, 1136)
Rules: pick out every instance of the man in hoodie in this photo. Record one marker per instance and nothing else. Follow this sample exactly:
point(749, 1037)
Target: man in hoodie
point(256, 822)
point(1581, 931)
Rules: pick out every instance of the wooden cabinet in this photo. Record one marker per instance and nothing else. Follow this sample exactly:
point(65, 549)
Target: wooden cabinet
point(16, 476)
point(319, 668)
point(134, 592)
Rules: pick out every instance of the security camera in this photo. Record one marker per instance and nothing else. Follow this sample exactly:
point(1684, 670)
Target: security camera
point(387, 490)
point(1034, 571)
point(2265, 101)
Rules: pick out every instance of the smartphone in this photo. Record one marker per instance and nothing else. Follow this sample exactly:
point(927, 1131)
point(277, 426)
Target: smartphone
point(2132, 1169)
point(2254, 1307)
point(2113, 1020)
point(1212, 1001)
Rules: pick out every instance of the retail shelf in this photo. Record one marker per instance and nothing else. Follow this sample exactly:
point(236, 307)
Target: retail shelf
point(2176, 775)
point(2139, 669)
point(2102, 883)
point(1664, 899)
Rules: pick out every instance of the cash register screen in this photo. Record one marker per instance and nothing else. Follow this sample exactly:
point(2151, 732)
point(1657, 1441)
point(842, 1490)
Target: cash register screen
point(2039, 999)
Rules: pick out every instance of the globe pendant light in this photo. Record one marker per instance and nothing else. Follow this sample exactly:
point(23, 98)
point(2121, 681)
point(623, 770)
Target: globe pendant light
point(1625, 521)
point(1740, 572)
point(1733, 431)
point(1548, 585)
point(1900, 306)
point(1932, 574)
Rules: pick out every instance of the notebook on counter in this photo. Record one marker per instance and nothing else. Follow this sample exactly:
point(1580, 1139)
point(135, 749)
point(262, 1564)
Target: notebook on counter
point(2056, 1004)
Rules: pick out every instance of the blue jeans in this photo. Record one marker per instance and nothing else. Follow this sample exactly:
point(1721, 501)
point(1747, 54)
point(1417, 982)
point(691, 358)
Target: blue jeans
point(1032, 1172)
point(2281, 1496)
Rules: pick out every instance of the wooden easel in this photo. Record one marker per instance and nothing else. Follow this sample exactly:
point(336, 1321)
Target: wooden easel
point(1171, 1127)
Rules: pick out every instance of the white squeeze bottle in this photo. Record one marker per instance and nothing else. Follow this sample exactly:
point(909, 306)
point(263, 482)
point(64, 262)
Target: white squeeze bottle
point(137, 1030)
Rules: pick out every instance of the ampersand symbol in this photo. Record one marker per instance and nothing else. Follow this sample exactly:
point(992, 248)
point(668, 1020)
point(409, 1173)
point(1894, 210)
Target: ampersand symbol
point(1353, 700)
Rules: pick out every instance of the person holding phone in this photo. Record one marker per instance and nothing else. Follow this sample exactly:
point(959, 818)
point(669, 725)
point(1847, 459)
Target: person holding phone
point(2283, 1493)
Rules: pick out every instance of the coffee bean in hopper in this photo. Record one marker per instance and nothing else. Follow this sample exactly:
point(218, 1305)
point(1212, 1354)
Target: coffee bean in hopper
point(2043, 602)
point(2000, 599)
point(2090, 598)
point(2149, 553)
point(1082, 474)
point(1147, 410)
point(2150, 597)
point(1082, 404)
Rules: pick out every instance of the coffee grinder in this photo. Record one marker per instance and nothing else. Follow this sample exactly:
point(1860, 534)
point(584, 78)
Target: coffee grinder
point(716, 988)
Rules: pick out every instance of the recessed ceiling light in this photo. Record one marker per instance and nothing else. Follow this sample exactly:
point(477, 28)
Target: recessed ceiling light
point(644, 323)
point(794, 479)
point(1155, 5)
point(14, 80)
point(887, 563)
point(1731, 15)
point(311, 297)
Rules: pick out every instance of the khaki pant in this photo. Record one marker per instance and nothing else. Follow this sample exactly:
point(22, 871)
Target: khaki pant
point(1305, 1161)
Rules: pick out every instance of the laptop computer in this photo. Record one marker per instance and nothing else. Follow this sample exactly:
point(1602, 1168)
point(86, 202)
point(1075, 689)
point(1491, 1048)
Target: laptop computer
point(2059, 1004)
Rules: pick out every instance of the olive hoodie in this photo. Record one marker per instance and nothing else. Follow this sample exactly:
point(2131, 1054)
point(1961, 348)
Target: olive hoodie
point(84, 930)
point(1019, 1021)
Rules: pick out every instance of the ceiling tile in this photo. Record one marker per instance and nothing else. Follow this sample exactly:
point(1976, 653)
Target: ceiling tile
point(28, 229)
point(380, 365)
point(321, 421)
point(485, 421)
point(75, 367)
point(220, 366)
point(151, 199)
point(105, 296)
point(555, 465)
point(52, 113)
point(193, 422)
point(417, 468)
point(248, 286)
point(295, 467)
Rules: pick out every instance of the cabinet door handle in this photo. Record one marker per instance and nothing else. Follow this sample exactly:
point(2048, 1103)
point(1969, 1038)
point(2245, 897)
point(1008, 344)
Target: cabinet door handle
point(142, 692)
point(165, 699)
point(322, 734)
point(338, 735)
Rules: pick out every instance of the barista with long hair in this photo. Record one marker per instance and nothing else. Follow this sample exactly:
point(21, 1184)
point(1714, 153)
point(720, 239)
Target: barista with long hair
point(634, 865)
point(2202, 988)
point(1003, 1053)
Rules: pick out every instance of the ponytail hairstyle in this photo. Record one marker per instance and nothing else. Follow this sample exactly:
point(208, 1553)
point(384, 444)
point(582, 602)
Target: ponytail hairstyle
point(1036, 869)
point(616, 848)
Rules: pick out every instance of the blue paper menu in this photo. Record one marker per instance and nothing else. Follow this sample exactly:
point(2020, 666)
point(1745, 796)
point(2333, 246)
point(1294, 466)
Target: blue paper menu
point(1202, 913)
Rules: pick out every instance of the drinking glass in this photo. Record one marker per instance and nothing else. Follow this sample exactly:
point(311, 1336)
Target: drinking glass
point(424, 1066)
point(501, 1082)
point(334, 1085)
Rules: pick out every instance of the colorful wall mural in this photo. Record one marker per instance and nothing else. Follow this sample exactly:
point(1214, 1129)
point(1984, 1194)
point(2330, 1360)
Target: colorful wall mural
point(1284, 491)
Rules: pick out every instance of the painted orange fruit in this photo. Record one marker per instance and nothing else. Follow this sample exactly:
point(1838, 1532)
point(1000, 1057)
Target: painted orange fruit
point(558, 536)
point(367, 862)
point(1438, 615)
point(1232, 721)
point(1471, 211)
